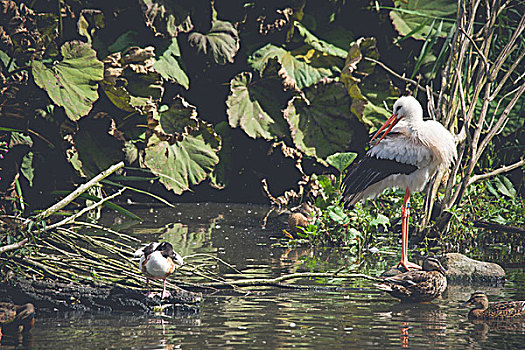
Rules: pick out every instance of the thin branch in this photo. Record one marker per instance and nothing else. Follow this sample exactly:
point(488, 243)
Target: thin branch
point(476, 48)
point(102, 228)
point(501, 121)
point(83, 211)
point(13, 246)
point(502, 82)
point(273, 281)
point(397, 75)
point(81, 189)
point(508, 49)
point(503, 169)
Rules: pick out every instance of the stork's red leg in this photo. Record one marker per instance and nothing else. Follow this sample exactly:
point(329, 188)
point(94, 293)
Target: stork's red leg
point(405, 213)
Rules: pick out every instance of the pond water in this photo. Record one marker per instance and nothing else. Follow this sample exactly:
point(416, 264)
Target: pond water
point(355, 317)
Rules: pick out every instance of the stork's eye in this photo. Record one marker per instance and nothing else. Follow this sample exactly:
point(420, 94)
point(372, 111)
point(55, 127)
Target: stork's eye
point(397, 109)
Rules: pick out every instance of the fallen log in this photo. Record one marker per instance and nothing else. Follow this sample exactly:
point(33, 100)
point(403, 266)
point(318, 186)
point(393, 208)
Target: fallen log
point(49, 294)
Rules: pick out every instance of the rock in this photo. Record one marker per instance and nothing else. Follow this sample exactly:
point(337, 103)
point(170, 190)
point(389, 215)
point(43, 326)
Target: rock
point(462, 269)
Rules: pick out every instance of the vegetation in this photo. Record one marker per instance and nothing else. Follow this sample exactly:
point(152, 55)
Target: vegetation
point(198, 94)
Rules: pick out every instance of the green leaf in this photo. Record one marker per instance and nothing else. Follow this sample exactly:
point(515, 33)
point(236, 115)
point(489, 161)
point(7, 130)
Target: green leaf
point(26, 168)
point(222, 171)
point(97, 149)
point(89, 21)
point(408, 15)
point(71, 83)
point(321, 122)
point(19, 138)
point(130, 81)
point(169, 67)
point(296, 72)
point(337, 214)
point(253, 105)
point(166, 18)
point(318, 44)
point(505, 186)
point(221, 42)
point(5, 59)
point(368, 87)
point(124, 42)
point(341, 161)
point(181, 164)
point(380, 219)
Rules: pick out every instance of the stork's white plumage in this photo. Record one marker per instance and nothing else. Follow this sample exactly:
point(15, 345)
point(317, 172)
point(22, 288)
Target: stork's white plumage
point(407, 155)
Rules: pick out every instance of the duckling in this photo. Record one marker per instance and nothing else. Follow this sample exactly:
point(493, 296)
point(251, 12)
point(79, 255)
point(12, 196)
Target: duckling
point(158, 261)
point(500, 310)
point(16, 318)
point(417, 285)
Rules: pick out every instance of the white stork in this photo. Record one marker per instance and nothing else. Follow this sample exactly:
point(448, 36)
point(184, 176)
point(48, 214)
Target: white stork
point(407, 155)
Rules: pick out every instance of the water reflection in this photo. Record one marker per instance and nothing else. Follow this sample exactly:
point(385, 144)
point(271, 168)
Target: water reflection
point(355, 317)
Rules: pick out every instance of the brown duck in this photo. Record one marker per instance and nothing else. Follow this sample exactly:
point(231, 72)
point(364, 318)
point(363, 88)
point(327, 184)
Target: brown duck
point(417, 285)
point(496, 310)
point(16, 318)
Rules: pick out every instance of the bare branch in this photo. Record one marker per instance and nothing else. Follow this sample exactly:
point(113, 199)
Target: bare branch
point(276, 281)
point(485, 60)
point(501, 121)
point(503, 169)
point(397, 75)
point(81, 189)
point(13, 246)
point(83, 211)
point(508, 49)
point(503, 80)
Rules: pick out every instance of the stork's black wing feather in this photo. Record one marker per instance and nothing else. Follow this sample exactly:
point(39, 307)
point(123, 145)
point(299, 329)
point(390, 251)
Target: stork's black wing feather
point(368, 171)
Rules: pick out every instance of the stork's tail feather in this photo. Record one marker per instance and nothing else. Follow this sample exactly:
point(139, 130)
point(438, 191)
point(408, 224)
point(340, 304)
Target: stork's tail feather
point(350, 199)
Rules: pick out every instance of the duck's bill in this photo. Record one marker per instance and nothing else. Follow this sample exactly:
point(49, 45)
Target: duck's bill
point(467, 303)
point(390, 123)
point(179, 260)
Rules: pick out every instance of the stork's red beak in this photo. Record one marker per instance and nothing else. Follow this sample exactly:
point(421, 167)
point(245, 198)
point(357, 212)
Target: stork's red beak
point(391, 122)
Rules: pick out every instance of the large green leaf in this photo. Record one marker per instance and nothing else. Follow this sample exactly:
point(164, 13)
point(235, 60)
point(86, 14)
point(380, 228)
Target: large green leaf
point(130, 80)
point(169, 67)
point(166, 18)
point(368, 87)
point(221, 42)
point(254, 106)
point(97, 148)
point(182, 149)
point(296, 72)
point(318, 44)
point(414, 17)
point(71, 83)
point(219, 178)
point(321, 122)
point(179, 120)
point(182, 163)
